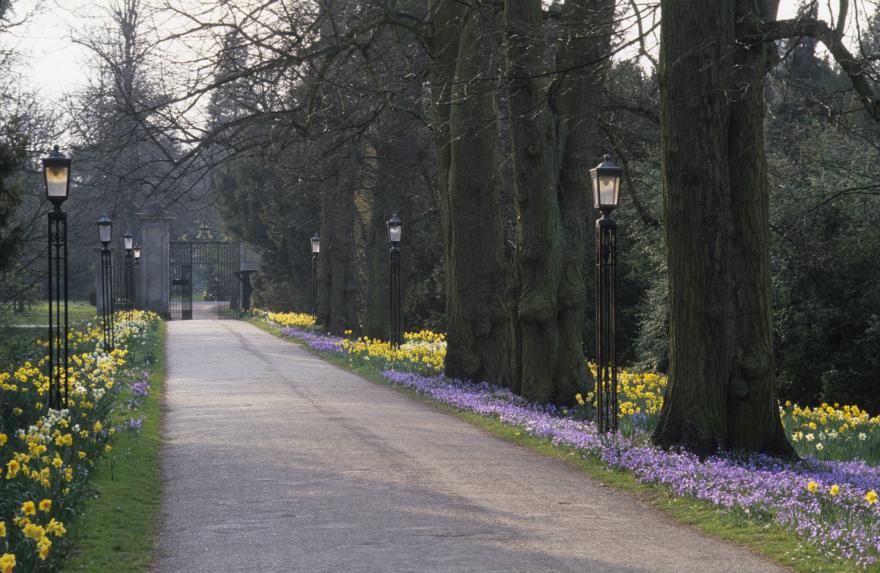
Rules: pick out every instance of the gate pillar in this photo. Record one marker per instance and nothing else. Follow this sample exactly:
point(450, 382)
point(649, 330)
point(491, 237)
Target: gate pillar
point(154, 274)
point(250, 261)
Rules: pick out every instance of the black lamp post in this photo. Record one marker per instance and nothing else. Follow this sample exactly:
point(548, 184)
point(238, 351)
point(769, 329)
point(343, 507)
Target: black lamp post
point(395, 229)
point(606, 192)
point(128, 243)
point(105, 234)
point(316, 251)
point(56, 171)
point(136, 252)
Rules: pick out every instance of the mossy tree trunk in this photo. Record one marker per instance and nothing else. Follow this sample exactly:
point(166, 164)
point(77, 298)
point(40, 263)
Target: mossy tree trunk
point(396, 164)
point(721, 393)
point(385, 199)
point(478, 278)
point(554, 133)
point(337, 280)
point(393, 161)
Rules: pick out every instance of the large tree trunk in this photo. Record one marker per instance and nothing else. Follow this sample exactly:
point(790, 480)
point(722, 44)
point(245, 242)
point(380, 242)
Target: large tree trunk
point(576, 96)
point(397, 168)
point(721, 394)
point(539, 238)
point(337, 300)
point(479, 326)
point(553, 147)
point(752, 409)
point(393, 144)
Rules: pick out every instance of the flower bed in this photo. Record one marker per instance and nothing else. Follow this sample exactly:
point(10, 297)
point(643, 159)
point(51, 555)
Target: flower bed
point(827, 432)
point(46, 456)
point(282, 319)
point(830, 503)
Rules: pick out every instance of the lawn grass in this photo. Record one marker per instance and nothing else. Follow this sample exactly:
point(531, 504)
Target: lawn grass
point(117, 528)
point(19, 331)
point(759, 535)
point(18, 345)
point(38, 314)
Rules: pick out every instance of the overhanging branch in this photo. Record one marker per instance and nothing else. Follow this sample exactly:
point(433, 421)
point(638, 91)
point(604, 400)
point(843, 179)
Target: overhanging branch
point(754, 33)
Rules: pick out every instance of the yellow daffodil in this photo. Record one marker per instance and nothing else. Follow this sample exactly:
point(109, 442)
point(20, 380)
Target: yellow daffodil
point(7, 563)
point(56, 528)
point(34, 531)
point(12, 469)
point(44, 544)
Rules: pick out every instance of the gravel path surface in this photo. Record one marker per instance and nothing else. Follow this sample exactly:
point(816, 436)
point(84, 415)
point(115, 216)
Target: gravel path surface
point(276, 461)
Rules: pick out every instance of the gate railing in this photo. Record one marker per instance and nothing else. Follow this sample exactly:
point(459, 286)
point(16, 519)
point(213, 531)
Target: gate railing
point(204, 280)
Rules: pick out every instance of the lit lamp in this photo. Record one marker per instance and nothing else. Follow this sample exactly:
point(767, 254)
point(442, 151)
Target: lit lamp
point(56, 175)
point(395, 229)
point(56, 171)
point(606, 193)
point(606, 185)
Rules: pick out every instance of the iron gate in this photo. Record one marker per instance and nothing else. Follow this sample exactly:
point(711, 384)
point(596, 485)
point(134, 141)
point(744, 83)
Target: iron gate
point(204, 280)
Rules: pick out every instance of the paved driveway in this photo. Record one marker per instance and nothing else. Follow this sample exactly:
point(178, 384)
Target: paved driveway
point(274, 460)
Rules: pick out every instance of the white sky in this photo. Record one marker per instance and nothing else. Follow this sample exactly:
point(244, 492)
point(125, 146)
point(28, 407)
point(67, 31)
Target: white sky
point(53, 64)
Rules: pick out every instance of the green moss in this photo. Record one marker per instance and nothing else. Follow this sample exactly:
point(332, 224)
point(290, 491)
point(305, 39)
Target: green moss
point(117, 529)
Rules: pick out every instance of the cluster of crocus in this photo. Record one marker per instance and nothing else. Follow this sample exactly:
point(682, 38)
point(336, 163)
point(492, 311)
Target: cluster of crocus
point(832, 504)
point(46, 456)
point(314, 340)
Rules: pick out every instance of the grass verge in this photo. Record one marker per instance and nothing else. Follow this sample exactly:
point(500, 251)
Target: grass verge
point(116, 531)
point(759, 535)
point(17, 344)
point(39, 314)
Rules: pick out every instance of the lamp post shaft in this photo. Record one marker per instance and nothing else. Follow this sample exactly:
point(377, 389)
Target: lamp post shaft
point(58, 312)
point(315, 285)
point(136, 283)
point(128, 284)
point(107, 293)
point(396, 296)
point(606, 366)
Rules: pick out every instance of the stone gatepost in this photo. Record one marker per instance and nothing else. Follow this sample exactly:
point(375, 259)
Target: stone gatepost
point(250, 260)
point(154, 281)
